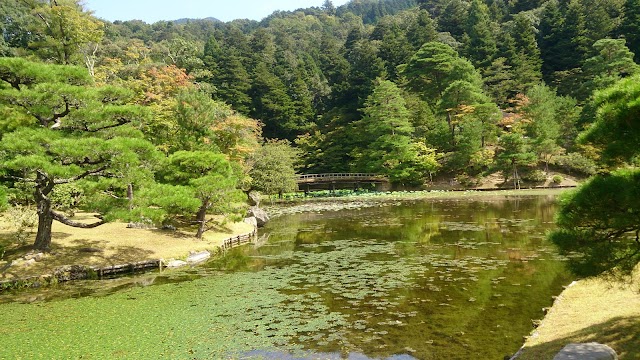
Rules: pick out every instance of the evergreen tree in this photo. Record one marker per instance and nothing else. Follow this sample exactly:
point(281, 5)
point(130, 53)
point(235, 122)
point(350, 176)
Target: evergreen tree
point(542, 124)
point(526, 63)
point(234, 83)
point(273, 105)
point(452, 18)
point(206, 179)
point(500, 81)
point(421, 30)
point(608, 244)
point(365, 67)
point(630, 27)
point(480, 46)
point(612, 61)
point(552, 40)
point(575, 30)
point(394, 47)
point(386, 130)
point(77, 132)
point(514, 152)
point(433, 68)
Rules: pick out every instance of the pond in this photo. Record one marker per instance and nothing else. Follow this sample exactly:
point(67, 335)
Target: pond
point(429, 279)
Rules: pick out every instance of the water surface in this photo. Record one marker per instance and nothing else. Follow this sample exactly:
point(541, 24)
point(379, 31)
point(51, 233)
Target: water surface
point(431, 279)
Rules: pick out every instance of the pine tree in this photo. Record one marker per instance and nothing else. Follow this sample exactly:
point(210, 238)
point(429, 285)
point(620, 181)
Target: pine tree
point(452, 17)
point(552, 41)
point(481, 44)
point(273, 105)
point(526, 63)
point(386, 144)
point(77, 132)
point(421, 30)
point(630, 27)
point(612, 62)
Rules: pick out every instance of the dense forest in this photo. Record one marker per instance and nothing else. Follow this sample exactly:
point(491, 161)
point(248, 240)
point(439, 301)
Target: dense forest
point(186, 114)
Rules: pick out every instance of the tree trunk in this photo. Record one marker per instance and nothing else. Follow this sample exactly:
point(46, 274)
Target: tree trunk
point(43, 187)
point(451, 128)
point(130, 196)
point(201, 218)
point(45, 222)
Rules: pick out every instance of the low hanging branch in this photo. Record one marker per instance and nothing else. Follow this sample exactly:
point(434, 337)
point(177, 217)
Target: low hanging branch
point(81, 176)
point(65, 220)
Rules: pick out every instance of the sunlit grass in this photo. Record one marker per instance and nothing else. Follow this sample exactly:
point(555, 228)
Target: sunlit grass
point(111, 244)
point(590, 311)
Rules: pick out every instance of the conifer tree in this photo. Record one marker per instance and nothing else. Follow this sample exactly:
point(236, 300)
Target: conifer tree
point(630, 27)
point(606, 245)
point(480, 46)
point(77, 132)
point(526, 63)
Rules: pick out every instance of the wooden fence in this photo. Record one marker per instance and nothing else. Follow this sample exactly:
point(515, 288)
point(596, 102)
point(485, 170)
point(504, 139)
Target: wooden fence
point(79, 272)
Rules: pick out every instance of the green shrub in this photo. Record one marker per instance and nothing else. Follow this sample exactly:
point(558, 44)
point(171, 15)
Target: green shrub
point(557, 179)
point(466, 180)
point(67, 197)
point(535, 176)
point(3, 199)
point(21, 222)
point(577, 162)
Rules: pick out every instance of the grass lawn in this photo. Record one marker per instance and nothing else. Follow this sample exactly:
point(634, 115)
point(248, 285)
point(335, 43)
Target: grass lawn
point(590, 311)
point(109, 244)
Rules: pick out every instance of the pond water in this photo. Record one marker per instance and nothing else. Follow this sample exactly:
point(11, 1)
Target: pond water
point(429, 279)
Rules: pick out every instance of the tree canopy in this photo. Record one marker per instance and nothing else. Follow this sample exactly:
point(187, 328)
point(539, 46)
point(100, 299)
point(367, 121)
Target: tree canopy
point(599, 222)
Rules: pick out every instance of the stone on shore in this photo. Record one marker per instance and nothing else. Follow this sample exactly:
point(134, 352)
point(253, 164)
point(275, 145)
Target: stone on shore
point(176, 264)
point(261, 216)
point(195, 258)
point(251, 221)
point(254, 198)
point(586, 351)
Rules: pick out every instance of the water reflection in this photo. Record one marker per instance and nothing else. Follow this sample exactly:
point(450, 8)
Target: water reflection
point(437, 279)
point(444, 278)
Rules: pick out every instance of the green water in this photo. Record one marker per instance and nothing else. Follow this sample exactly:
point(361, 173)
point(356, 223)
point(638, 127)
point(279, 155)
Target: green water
point(432, 279)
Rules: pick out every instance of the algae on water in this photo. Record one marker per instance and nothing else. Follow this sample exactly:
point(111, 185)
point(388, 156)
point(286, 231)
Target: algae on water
point(426, 280)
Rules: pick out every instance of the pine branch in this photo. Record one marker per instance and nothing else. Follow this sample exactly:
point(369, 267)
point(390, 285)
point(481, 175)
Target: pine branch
point(81, 176)
point(65, 220)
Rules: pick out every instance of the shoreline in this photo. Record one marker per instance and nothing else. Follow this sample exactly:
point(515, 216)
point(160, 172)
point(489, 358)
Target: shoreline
point(80, 260)
point(588, 310)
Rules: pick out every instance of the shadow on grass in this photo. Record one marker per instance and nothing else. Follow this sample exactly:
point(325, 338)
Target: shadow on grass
point(84, 252)
point(176, 234)
point(621, 333)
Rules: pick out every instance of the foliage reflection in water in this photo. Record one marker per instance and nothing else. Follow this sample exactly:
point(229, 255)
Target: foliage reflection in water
point(436, 279)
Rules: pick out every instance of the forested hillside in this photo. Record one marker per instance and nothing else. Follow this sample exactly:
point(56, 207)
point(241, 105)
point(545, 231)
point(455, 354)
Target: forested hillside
point(410, 89)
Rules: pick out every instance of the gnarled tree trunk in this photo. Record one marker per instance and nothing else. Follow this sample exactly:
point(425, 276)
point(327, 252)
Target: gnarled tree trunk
point(43, 187)
point(201, 218)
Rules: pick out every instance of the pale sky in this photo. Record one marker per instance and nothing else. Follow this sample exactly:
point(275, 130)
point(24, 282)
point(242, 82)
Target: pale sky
point(151, 11)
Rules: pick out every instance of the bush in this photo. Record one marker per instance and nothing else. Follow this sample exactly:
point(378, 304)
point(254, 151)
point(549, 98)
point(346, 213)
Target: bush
point(3, 199)
point(557, 179)
point(578, 163)
point(67, 197)
point(466, 180)
point(535, 176)
point(21, 222)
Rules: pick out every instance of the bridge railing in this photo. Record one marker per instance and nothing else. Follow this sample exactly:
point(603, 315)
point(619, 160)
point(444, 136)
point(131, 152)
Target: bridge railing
point(340, 176)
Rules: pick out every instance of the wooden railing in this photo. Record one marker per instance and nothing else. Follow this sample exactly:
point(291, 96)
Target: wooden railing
point(307, 178)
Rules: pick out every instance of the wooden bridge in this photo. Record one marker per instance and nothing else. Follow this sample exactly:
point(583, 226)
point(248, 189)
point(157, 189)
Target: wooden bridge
point(333, 181)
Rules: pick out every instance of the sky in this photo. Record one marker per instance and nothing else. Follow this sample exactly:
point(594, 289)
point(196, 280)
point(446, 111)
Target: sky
point(151, 11)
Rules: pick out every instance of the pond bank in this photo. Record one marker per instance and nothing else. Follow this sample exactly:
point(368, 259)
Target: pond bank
point(592, 310)
point(365, 200)
point(109, 250)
